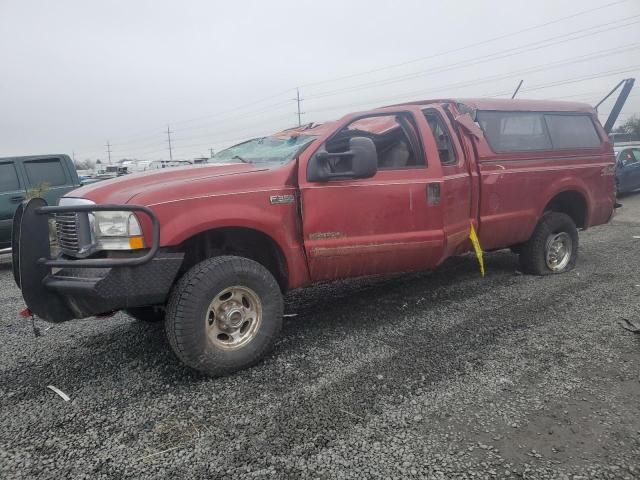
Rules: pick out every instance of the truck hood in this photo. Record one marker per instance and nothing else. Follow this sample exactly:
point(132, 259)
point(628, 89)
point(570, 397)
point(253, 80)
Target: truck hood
point(162, 185)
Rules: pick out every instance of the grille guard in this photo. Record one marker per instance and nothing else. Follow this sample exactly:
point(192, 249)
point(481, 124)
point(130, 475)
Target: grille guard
point(31, 250)
point(104, 262)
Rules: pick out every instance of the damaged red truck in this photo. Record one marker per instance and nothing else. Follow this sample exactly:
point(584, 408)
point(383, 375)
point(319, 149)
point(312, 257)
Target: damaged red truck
point(211, 249)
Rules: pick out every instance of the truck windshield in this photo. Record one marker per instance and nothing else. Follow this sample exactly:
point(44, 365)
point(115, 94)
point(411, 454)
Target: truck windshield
point(265, 150)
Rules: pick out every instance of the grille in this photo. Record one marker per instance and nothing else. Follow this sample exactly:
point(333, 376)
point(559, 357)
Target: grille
point(67, 232)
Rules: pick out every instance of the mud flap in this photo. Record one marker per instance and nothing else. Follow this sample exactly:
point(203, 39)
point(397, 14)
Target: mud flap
point(32, 242)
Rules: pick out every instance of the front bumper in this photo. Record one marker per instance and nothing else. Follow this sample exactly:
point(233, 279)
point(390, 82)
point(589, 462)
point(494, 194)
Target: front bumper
point(58, 290)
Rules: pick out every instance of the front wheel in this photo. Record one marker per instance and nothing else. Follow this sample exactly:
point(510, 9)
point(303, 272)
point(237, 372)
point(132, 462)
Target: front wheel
point(553, 247)
point(224, 315)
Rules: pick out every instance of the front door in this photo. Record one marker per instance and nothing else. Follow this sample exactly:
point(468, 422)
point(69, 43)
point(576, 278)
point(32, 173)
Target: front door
point(629, 176)
point(12, 193)
point(391, 222)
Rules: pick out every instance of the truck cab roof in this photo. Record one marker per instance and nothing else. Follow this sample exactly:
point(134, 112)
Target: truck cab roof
point(508, 104)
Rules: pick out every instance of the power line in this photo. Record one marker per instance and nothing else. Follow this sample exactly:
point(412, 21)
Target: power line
point(447, 52)
point(251, 113)
point(475, 44)
point(465, 47)
point(479, 81)
point(386, 81)
point(387, 99)
point(244, 127)
point(240, 107)
point(537, 45)
point(632, 68)
point(298, 99)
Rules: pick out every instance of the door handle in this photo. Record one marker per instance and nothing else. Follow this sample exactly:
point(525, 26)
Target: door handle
point(17, 199)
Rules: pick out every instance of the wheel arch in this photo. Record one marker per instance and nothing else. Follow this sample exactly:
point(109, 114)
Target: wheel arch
point(240, 241)
point(572, 202)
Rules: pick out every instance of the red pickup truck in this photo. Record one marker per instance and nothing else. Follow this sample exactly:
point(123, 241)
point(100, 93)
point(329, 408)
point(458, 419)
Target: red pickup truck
point(212, 248)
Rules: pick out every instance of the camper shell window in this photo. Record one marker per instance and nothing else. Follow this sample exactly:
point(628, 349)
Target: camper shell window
point(536, 131)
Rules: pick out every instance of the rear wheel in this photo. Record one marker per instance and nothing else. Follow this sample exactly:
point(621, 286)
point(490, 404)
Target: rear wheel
point(553, 247)
point(224, 315)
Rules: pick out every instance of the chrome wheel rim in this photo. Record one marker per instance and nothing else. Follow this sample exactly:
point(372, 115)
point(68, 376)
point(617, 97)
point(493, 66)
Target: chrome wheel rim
point(233, 317)
point(558, 251)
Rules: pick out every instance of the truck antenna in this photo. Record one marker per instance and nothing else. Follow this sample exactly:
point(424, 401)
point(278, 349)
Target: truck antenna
point(517, 89)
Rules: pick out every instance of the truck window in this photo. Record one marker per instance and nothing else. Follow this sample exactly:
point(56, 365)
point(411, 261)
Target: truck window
point(8, 178)
point(395, 138)
point(514, 131)
point(48, 171)
point(572, 131)
point(441, 134)
point(630, 157)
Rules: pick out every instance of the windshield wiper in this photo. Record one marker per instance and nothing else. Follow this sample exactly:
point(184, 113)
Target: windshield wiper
point(238, 157)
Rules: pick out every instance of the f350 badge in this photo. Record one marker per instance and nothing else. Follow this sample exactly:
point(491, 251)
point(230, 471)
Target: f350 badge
point(280, 199)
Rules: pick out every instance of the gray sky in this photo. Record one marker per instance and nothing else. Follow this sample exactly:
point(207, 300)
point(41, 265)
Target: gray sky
point(78, 73)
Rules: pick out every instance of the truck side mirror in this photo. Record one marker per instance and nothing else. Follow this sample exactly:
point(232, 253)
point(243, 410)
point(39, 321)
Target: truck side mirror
point(360, 161)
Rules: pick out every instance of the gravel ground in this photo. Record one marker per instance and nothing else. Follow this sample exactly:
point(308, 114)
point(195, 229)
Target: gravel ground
point(440, 375)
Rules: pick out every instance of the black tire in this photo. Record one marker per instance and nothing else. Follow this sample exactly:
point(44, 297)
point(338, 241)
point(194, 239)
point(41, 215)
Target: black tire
point(147, 314)
point(534, 251)
point(188, 314)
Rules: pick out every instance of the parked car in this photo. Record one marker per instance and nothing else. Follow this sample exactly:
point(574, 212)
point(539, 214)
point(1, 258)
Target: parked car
point(627, 169)
point(394, 189)
point(51, 175)
point(146, 165)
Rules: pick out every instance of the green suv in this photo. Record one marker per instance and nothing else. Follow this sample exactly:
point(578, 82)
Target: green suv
point(46, 176)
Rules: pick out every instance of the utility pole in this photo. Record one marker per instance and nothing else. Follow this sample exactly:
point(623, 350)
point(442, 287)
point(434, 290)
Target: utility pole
point(517, 89)
point(108, 145)
point(169, 132)
point(299, 112)
point(211, 152)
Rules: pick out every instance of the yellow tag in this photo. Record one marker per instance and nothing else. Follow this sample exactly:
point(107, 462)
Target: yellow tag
point(473, 236)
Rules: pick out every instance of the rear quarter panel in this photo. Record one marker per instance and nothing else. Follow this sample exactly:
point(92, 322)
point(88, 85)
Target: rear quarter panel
point(517, 187)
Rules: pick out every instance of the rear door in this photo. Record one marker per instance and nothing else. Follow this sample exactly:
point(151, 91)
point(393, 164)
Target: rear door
point(12, 192)
point(456, 181)
point(391, 222)
point(48, 177)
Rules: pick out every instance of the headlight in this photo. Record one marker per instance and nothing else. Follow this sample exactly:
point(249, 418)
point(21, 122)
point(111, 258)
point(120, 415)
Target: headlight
point(110, 230)
point(116, 231)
